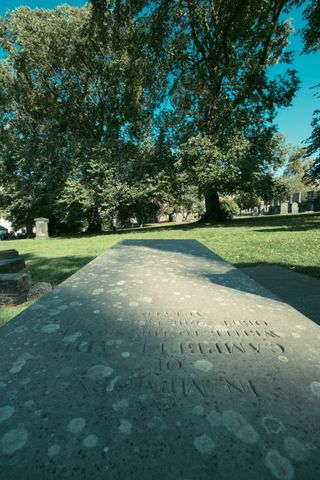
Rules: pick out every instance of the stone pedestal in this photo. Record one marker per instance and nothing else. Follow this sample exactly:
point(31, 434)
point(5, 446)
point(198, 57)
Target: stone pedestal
point(284, 208)
point(15, 282)
point(295, 207)
point(14, 288)
point(179, 218)
point(42, 228)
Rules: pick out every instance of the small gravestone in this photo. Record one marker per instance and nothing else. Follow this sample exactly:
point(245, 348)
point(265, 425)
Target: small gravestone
point(179, 218)
point(284, 208)
point(15, 282)
point(39, 290)
point(158, 360)
point(12, 265)
point(294, 207)
point(5, 254)
point(42, 228)
point(14, 288)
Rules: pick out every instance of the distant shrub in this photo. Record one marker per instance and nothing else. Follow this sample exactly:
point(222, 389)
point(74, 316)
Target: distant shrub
point(228, 208)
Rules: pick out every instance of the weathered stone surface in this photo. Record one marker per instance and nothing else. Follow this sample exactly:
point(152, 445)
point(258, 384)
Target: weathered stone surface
point(295, 207)
point(5, 254)
point(284, 208)
point(14, 288)
point(42, 228)
point(159, 360)
point(39, 290)
point(12, 265)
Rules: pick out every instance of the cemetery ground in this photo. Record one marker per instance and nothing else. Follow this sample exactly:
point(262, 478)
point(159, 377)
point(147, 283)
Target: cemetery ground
point(290, 241)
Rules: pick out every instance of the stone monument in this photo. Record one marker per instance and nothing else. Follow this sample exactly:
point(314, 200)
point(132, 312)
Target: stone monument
point(294, 207)
point(179, 218)
point(15, 281)
point(158, 360)
point(42, 228)
point(284, 208)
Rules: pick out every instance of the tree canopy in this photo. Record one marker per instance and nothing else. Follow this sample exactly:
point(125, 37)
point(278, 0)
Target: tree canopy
point(311, 39)
point(128, 105)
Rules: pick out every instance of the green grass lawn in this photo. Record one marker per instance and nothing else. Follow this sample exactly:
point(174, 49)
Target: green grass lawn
point(291, 241)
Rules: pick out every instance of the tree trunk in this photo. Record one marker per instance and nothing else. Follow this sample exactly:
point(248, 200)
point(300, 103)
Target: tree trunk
point(212, 203)
point(29, 228)
point(95, 222)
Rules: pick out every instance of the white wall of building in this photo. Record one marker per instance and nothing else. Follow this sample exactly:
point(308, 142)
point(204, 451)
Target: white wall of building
point(6, 224)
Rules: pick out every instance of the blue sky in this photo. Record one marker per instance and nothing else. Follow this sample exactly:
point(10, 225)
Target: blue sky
point(293, 122)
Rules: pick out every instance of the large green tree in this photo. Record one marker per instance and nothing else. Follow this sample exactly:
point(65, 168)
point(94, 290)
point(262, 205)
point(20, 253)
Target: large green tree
point(83, 94)
point(219, 55)
point(311, 39)
point(73, 84)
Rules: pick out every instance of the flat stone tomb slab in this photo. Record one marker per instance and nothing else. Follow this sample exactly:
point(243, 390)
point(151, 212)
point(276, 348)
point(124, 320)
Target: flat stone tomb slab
point(14, 287)
point(5, 254)
point(12, 265)
point(159, 360)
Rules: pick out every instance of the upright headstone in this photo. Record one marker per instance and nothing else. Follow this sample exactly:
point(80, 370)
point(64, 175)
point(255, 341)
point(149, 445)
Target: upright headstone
point(294, 207)
point(42, 228)
point(158, 360)
point(15, 282)
point(284, 208)
point(179, 218)
point(14, 288)
point(274, 207)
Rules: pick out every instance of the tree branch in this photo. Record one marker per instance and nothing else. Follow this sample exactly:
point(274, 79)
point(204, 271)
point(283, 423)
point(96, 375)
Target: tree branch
point(276, 14)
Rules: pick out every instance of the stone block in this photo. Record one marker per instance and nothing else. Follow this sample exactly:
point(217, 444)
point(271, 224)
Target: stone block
point(39, 290)
point(6, 254)
point(295, 207)
point(42, 228)
point(179, 218)
point(12, 265)
point(14, 288)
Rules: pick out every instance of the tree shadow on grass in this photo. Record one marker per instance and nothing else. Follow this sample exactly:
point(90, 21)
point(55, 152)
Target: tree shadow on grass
point(292, 222)
point(303, 227)
point(289, 220)
point(309, 270)
point(54, 270)
point(301, 292)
